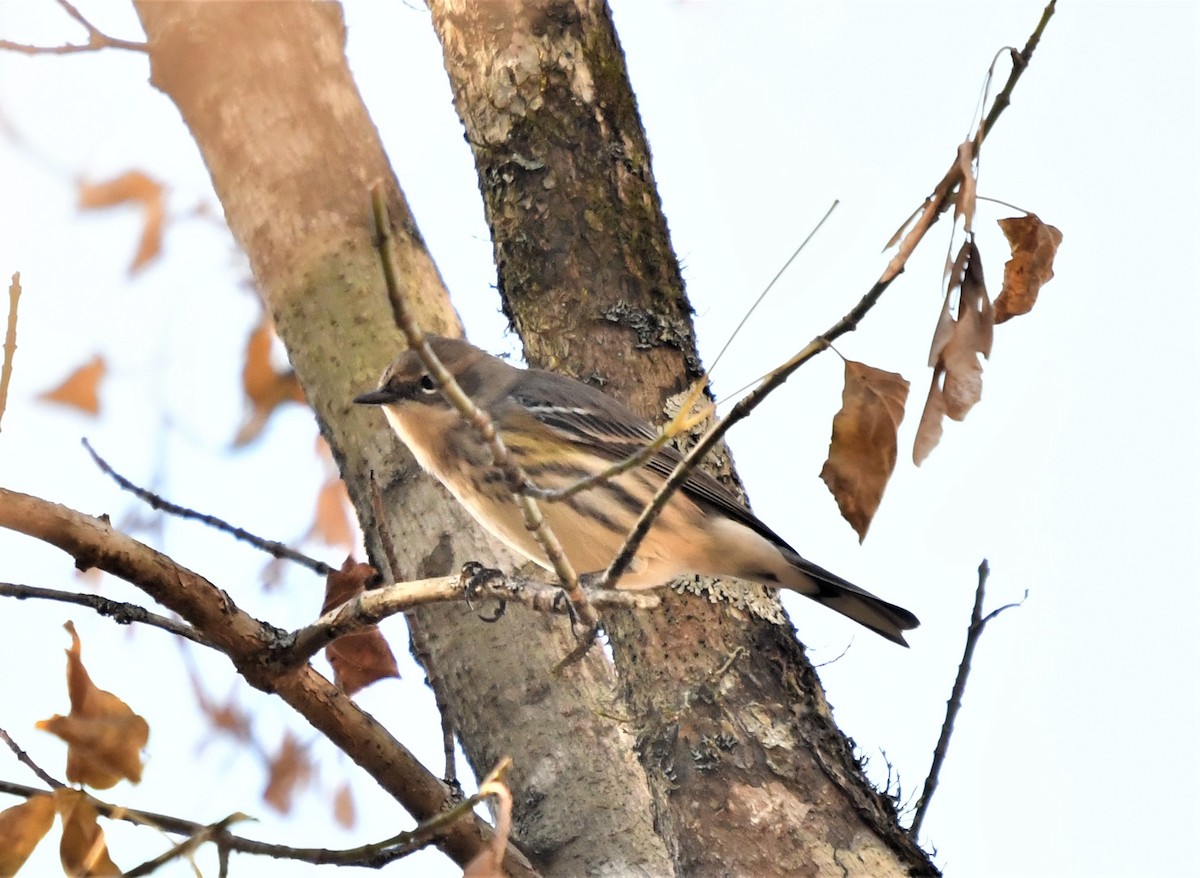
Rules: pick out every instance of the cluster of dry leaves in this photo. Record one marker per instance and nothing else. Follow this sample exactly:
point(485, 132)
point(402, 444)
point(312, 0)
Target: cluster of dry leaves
point(105, 739)
point(863, 447)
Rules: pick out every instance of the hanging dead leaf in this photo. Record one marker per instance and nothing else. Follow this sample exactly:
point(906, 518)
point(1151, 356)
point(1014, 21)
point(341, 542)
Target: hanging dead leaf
point(343, 807)
point(862, 449)
point(21, 828)
point(1033, 244)
point(83, 851)
point(332, 523)
point(360, 657)
point(104, 736)
point(290, 771)
point(964, 199)
point(81, 389)
point(132, 187)
point(957, 342)
point(265, 387)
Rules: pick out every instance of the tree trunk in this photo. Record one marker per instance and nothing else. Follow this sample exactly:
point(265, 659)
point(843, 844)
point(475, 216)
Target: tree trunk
point(748, 771)
point(265, 90)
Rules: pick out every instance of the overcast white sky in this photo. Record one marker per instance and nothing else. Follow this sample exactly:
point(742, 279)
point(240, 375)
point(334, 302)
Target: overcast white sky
point(1076, 476)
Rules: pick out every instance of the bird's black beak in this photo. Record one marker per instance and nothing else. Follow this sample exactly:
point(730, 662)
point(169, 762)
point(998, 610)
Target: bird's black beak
point(375, 397)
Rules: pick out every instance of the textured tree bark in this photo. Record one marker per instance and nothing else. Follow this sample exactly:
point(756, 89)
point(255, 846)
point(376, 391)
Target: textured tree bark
point(265, 91)
point(749, 773)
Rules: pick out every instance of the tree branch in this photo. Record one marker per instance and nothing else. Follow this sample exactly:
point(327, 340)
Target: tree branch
point(119, 611)
point(97, 39)
point(154, 501)
point(474, 583)
point(249, 644)
point(934, 206)
point(974, 632)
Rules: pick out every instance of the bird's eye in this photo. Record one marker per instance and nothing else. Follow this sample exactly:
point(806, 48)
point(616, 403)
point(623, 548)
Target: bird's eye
point(427, 384)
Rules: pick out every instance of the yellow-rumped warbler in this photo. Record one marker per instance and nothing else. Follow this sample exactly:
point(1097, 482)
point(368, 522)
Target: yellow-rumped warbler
point(560, 430)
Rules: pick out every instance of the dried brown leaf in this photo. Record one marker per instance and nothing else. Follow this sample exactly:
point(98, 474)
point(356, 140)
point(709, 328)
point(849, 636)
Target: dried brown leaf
point(862, 449)
point(266, 388)
point(104, 736)
point(1033, 244)
point(83, 851)
point(290, 770)
point(132, 187)
point(332, 523)
point(81, 389)
point(21, 828)
point(360, 657)
point(343, 807)
point(957, 373)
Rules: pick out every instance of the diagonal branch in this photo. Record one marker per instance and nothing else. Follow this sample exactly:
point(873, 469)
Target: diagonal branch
point(249, 645)
point(933, 208)
point(154, 501)
point(119, 611)
point(97, 39)
point(974, 632)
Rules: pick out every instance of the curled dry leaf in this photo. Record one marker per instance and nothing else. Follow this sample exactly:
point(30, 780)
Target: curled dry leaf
point(21, 828)
point(81, 389)
point(104, 736)
point(290, 771)
point(964, 200)
point(132, 187)
point(958, 340)
point(1033, 244)
point(265, 387)
point(360, 657)
point(83, 851)
point(862, 449)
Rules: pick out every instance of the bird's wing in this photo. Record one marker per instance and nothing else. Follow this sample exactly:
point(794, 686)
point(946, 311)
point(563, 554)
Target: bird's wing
point(589, 417)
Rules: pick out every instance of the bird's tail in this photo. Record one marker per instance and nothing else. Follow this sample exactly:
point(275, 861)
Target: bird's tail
point(885, 619)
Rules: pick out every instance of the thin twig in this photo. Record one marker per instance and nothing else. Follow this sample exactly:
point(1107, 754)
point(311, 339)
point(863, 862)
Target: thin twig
point(370, 855)
point(97, 39)
point(375, 605)
point(27, 760)
point(119, 611)
point(934, 206)
point(517, 480)
point(974, 632)
point(10, 340)
point(774, 281)
point(154, 501)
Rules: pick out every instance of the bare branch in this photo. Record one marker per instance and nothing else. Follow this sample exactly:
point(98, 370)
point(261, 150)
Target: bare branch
point(518, 482)
point(934, 206)
point(27, 760)
point(97, 40)
point(250, 645)
point(974, 632)
point(119, 611)
point(474, 583)
point(154, 501)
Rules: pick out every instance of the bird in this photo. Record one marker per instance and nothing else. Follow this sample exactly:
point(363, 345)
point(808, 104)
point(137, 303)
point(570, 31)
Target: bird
point(560, 430)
